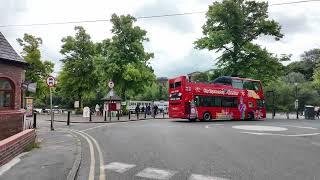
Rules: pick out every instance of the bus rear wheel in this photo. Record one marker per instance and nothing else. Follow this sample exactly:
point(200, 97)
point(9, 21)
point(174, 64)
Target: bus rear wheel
point(206, 116)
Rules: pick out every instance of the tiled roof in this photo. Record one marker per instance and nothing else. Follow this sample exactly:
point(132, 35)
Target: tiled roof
point(7, 52)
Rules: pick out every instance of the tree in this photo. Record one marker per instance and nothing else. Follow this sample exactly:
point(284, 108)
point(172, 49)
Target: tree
point(77, 79)
point(124, 59)
point(201, 77)
point(37, 70)
point(307, 65)
point(316, 77)
point(231, 27)
point(294, 77)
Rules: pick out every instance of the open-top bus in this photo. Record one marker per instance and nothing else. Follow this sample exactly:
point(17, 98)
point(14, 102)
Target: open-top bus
point(224, 98)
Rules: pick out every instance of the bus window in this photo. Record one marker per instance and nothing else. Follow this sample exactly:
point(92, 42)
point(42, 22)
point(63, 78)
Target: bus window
point(171, 85)
point(223, 81)
point(256, 86)
point(207, 101)
point(236, 83)
point(229, 102)
point(196, 101)
point(217, 101)
point(248, 85)
point(177, 84)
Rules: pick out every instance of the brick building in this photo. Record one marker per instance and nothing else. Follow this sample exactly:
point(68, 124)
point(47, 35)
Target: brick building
point(12, 70)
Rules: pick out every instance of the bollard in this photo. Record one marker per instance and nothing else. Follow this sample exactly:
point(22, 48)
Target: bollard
point(145, 114)
point(105, 115)
point(34, 120)
point(129, 114)
point(137, 115)
point(163, 114)
point(118, 113)
point(110, 116)
point(68, 119)
point(90, 118)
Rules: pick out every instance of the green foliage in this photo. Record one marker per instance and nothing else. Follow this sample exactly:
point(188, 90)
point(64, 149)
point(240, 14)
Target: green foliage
point(316, 77)
point(77, 79)
point(38, 70)
point(123, 58)
point(285, 95)
point(153, 92)
point(202, 77)
point(307, 65)
point(231, 27)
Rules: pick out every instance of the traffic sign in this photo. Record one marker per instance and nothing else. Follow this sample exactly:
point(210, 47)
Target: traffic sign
point(51, 81)
point(111, 84)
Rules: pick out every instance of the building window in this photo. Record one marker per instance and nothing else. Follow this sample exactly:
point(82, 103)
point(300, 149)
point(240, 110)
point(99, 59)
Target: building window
point(6, 94)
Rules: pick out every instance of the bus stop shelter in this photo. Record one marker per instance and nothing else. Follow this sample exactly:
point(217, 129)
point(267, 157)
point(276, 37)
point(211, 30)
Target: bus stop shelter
point(112, 103)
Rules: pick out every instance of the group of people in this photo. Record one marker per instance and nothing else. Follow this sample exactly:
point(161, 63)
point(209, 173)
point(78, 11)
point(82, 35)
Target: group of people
point(146, 109)
point(98, 110)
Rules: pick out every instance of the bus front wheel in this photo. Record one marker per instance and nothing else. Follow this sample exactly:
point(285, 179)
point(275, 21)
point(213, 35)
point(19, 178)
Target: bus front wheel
point(206, 116)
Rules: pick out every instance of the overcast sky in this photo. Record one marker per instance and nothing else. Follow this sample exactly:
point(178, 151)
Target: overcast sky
point(171, 38)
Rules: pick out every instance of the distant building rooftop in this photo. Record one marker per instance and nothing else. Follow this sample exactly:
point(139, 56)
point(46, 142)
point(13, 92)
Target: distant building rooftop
point(7, 53)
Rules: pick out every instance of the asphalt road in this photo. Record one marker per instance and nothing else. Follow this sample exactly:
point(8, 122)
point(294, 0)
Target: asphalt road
point(179, 150)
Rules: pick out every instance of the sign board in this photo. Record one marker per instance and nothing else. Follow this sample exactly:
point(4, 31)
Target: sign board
point(29, 106)
point(51, 81)
point(111, 84)
point(296, 104)
point(76, 104)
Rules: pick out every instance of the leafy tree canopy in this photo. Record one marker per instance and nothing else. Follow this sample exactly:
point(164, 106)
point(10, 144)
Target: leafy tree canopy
point(38, 70)
point(124, 59)
point(77, 79)
point(231, 27)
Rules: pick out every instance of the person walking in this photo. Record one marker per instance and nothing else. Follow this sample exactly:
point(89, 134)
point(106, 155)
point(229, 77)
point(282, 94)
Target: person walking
point(155, 110)
point(137, 109)
point(97, 110)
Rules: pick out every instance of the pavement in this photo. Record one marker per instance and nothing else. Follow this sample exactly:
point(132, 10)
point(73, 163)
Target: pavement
point(57, 157)
point(173, 149)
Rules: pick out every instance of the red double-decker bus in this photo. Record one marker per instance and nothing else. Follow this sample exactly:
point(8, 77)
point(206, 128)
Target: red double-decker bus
point(224, 98)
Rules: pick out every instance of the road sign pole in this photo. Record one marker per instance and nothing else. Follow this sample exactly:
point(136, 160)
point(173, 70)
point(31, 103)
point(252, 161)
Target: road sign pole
point(51, 112)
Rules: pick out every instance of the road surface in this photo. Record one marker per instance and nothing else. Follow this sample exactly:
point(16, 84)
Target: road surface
point(221, 150)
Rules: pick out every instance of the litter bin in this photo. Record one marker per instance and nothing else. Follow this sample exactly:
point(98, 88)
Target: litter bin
point(309, 112)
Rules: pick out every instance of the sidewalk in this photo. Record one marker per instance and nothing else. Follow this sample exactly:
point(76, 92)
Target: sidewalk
point(57, 158)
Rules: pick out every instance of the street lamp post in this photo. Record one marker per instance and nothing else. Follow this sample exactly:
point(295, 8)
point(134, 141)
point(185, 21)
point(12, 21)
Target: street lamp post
point(297, 101)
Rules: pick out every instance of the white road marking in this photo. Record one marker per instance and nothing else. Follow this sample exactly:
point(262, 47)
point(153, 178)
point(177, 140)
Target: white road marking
point(11, 163)
point(154, 173)
point(119, 167)
point(202, 177)
point(108, 124)
point(94, 127)
point(287, 135)
point(301, 127)
point(256, 133)
point(92, 159)
point(259, 128)
point(208, 126)
point(102, 173)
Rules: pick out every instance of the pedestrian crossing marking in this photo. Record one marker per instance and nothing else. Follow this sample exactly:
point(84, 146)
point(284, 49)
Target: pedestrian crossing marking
point(154, 173)
point(202, 177)
point(119, 167)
